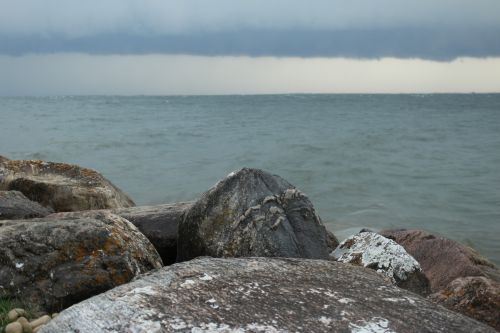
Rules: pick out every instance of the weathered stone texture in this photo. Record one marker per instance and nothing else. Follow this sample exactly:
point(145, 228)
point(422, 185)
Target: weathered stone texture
point(14, 205)
point(253, 213)
point(369, 249)
point(63, 187)
point(260, 295)
point(55, 263)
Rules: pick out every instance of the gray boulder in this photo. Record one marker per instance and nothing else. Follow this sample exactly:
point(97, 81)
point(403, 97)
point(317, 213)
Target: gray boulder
point(63, 187)
point(55, 263)
point(369, 249)
point(252, 213)
point(158, 223)
point(14, 205)
point(260, 295)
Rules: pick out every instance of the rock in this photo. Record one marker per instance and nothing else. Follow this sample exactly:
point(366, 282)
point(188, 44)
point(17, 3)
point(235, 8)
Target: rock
point(55, 263)
point(331, 241)
point(15, 313)
point(369, 249)
point(63, 187)
point(477, 297)
point(25, 324)
point(442, 260)
point(260, 295)
point(14, 327)
point(158, 223)
point(40, 321)
point(252, 213)
point(3, 159)
point(14, 205)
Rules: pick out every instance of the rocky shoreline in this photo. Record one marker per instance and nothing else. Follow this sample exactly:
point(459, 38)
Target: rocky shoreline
point(250, 255)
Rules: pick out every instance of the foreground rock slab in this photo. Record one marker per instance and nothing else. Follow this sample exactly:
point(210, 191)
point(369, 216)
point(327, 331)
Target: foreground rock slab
point(260, 295)
point(369, 249)
point(63, 187)
point(55, 263)
point(14, 205)
point(158, 223)
point(253, 213)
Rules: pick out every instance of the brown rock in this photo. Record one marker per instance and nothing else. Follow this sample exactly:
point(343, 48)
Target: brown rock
point(158, 223)
point(3, 159)
point(442, 260)
point(476, 296)
point(63, 187)
point(56, 262)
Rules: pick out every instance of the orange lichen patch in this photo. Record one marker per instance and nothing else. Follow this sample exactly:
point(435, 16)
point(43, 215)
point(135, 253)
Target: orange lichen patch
point(89, 173)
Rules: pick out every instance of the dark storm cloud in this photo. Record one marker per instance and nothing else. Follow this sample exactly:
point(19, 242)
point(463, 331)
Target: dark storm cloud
point(438, 30)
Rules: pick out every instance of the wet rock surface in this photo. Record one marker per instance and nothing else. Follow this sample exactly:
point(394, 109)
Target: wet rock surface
point(252, 213)
point(56, 262)
point(260, 295)
point(158, 223)
point(14, 205)
point(63, 187)
point(475, 296)
point(371, 250)
point(442, 260)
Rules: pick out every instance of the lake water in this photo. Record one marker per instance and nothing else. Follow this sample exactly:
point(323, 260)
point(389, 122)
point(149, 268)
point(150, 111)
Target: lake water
point(378, 161)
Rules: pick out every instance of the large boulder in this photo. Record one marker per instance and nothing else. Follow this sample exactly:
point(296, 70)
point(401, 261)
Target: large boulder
point(260, 295)
point(55, 263)
point(475, 296)
point(63, 187)
point(14, 205)
point(442, 260)
point(369, 249)
point(252, 213)
point(158, 223)
point(460, 278)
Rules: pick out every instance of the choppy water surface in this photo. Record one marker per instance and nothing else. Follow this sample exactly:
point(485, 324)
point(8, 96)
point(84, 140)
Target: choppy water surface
point(379, 161)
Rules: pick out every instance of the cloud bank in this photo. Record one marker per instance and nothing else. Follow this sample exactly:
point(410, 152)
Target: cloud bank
point(83, 74)
point(440, 30)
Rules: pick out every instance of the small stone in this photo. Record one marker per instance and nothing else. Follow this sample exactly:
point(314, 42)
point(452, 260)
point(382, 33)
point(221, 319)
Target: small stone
point(25, 324)
point(55, 315)
point(15, 313)
point(40, 321)
point(14, 327)
point(36, 329)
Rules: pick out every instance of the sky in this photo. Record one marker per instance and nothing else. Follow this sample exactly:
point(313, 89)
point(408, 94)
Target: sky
point(59, 47)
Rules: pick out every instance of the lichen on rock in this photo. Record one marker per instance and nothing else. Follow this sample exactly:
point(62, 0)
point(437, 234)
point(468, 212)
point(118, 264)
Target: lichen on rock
point(369, 249)
point(63, 187)
point(56, 262)
point(253, 213)
point(260, 295)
